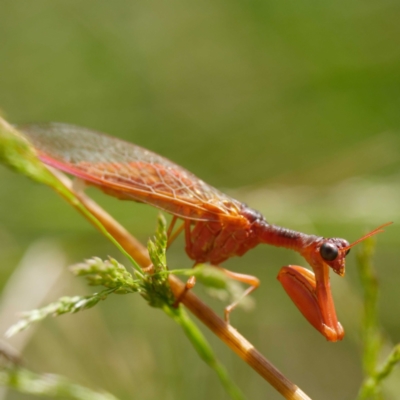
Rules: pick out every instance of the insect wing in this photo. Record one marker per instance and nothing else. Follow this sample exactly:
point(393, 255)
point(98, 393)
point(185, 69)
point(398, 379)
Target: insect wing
point(131, 172)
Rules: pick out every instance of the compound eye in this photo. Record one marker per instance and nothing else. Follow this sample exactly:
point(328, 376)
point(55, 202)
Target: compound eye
point(328, 251)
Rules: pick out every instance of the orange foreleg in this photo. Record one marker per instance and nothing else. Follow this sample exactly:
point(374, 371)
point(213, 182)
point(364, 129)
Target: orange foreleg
point(312, 296)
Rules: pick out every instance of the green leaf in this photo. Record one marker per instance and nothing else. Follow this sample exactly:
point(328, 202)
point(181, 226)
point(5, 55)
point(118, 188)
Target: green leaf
point(154, 286)
point(62, 306)
point(109, 273)
point(157, 246)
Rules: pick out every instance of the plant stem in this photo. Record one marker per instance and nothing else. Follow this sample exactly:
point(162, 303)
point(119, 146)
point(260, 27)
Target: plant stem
point(229, 335)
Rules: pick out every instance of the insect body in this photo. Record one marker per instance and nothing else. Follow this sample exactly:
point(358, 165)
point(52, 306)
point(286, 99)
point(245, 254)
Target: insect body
point(216, 226)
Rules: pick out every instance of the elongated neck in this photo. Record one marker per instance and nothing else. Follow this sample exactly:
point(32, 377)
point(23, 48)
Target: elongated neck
point(283, 237)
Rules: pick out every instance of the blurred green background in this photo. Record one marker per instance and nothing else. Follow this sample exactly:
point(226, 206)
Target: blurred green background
point(292, 107)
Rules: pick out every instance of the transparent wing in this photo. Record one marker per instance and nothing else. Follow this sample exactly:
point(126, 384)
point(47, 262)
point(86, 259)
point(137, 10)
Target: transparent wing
point(127, 171)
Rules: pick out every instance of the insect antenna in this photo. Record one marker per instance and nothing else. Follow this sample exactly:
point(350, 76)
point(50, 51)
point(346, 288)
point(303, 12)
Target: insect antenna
point(377, 230)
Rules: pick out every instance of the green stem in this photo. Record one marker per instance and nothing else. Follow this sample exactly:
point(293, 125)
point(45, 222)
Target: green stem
point(204, 349)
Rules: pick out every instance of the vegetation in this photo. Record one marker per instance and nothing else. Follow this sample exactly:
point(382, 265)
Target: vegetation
point(291, 107)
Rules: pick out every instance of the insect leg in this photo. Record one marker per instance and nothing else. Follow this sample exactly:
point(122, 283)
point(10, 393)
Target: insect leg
point(312, 297)
point(188, 238)
point(172, 237)
point(248, 279)
point(189, 285)
point(192, 280)
point(171, 225)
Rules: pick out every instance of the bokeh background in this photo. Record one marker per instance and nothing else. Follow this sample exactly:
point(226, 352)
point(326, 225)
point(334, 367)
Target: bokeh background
point(292, 107)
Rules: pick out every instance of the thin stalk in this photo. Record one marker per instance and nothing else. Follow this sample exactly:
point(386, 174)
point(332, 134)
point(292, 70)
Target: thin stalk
point(229, 335)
